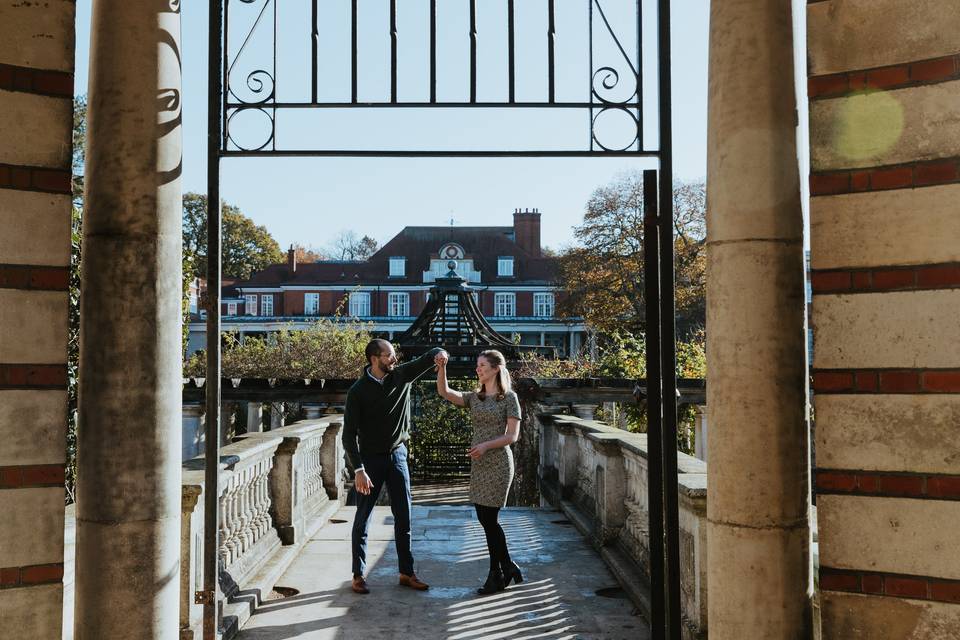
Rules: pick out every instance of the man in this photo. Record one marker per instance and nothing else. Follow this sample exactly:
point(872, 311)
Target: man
point(376, 426)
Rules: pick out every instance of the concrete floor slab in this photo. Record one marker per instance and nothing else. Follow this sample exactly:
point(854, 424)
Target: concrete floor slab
point(556, 601)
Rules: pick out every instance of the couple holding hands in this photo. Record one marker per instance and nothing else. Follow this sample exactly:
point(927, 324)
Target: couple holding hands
point(377, 426)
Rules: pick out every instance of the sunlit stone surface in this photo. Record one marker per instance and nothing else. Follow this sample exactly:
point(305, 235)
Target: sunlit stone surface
point(556, 600)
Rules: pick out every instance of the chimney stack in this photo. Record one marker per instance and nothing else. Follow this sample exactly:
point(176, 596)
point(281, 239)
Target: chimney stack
point(526, 230)
point(292, 260)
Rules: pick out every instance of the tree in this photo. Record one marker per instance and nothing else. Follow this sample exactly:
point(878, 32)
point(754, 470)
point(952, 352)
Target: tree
point(603, 275)
point(347, 246)
point(79, 147)
point(307, 254)
point(246, 247)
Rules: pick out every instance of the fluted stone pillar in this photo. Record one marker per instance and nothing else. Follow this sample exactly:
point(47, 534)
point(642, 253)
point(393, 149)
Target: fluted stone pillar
point(312, 411)
point(128, 505)
point(276, 415)
point(254, 417)
point(758, 529)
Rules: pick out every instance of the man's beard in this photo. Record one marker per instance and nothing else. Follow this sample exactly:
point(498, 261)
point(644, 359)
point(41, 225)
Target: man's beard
point(390, 367)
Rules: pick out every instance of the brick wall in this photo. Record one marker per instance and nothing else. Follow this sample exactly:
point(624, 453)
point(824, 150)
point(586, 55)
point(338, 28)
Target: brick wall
point(884, 92)
point(36, 91)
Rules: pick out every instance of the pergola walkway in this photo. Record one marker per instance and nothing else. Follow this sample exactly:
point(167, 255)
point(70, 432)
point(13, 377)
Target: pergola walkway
point(558, 598)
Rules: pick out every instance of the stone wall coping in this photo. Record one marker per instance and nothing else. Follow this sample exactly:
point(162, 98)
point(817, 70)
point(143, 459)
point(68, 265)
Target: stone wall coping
point(691, 471)
point(302, 429)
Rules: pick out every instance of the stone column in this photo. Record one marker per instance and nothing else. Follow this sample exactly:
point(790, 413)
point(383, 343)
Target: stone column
point(128, 505)
point(313, 410)
point(254, 417)
point(276, 415)
point(227, 425)
point(700, 432)
point(758, 529)
point(569, 457)
point(192, 434)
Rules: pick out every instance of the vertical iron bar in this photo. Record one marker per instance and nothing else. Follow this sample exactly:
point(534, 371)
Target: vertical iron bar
point(225, 87)
point(353, 53)
point(473, 50)
point(511, 52)
point(433, 50)
point(668, 324)
point(639, 75)
point(212, 428)
point(551, 52)
point(314, 48)
point(590, 71)
point(393, 51)
point(651, 277)
point(276, 78)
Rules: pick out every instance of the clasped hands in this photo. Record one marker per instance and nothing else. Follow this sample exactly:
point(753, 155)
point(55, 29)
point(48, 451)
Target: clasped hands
point(441, 359)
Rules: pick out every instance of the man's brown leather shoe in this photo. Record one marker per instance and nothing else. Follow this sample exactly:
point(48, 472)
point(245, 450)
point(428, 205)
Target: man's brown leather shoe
point(359, 585)
point(413, 582)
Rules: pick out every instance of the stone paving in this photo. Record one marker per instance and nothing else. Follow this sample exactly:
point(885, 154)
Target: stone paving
point(558, 599)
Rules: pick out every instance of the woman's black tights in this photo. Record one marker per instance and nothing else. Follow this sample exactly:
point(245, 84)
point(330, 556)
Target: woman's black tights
point(496, 540)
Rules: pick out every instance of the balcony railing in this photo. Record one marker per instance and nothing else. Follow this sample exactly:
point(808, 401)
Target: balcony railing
point(276, 489)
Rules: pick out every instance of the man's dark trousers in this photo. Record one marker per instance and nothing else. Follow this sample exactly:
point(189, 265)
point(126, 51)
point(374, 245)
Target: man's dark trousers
point(390, 469)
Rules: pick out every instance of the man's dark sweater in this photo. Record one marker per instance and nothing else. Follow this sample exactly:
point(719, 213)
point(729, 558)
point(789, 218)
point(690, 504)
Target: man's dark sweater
point(377, 416)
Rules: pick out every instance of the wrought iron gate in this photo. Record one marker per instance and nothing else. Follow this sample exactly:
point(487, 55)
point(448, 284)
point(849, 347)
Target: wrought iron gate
point(439, 438)
point(584, 78)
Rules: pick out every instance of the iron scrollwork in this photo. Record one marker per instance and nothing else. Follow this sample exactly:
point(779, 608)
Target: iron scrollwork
point(605, 84)
point(249, 96)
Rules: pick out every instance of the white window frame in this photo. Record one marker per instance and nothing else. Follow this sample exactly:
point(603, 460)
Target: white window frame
point(360, 304)
point(311, 304)
point(544, 304)
point(504, 305)
point(231, 308)
point(505, 266)
point(266, 304)
point(250, 304)
point(398, 304)
point(398, 267)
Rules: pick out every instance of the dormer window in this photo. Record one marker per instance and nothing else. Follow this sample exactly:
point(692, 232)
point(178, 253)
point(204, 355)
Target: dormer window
point(398, 267)
point(505, 266)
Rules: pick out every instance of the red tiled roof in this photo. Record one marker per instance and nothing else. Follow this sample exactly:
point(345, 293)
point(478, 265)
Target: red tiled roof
point(418, 244)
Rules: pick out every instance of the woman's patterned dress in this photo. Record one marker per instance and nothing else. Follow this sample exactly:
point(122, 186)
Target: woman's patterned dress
point(491, 475)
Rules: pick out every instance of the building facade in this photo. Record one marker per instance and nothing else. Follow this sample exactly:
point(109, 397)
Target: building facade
point(515, 286)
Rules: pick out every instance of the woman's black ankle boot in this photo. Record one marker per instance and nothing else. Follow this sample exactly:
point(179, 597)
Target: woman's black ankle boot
point(511, 572)
point(493, 584)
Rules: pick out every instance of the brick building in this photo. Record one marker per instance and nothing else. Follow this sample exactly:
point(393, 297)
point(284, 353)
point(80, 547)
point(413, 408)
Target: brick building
point(514, 282)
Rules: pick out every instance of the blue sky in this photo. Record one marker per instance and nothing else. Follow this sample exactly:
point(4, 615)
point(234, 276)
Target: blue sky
point(310, 200)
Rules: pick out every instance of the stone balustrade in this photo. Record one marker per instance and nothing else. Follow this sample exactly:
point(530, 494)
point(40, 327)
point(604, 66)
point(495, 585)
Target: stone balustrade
point(276, 489)
point(597, 475)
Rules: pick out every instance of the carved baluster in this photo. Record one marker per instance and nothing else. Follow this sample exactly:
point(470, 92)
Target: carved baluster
point(230, 521)
point(265, 492)
point(224, 530)
point(247, 510)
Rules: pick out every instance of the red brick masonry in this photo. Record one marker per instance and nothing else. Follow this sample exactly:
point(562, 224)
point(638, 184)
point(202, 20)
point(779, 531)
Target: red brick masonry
point(17, 276)
point(30, 575)
point(58, 84)
point(32, 476)
point(33, 376)
point(910, 278)
point(35, 179)
point(886, 380)
point(895, 176)
point(890, 584)
point(888, 484)
point(897, 76)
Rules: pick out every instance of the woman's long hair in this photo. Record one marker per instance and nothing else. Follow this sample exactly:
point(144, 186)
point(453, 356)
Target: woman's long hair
point(496, 359)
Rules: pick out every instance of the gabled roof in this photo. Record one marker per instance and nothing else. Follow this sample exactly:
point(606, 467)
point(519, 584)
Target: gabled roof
point(418, 244)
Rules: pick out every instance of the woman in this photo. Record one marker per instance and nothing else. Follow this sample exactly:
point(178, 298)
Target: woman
point(495, 413)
